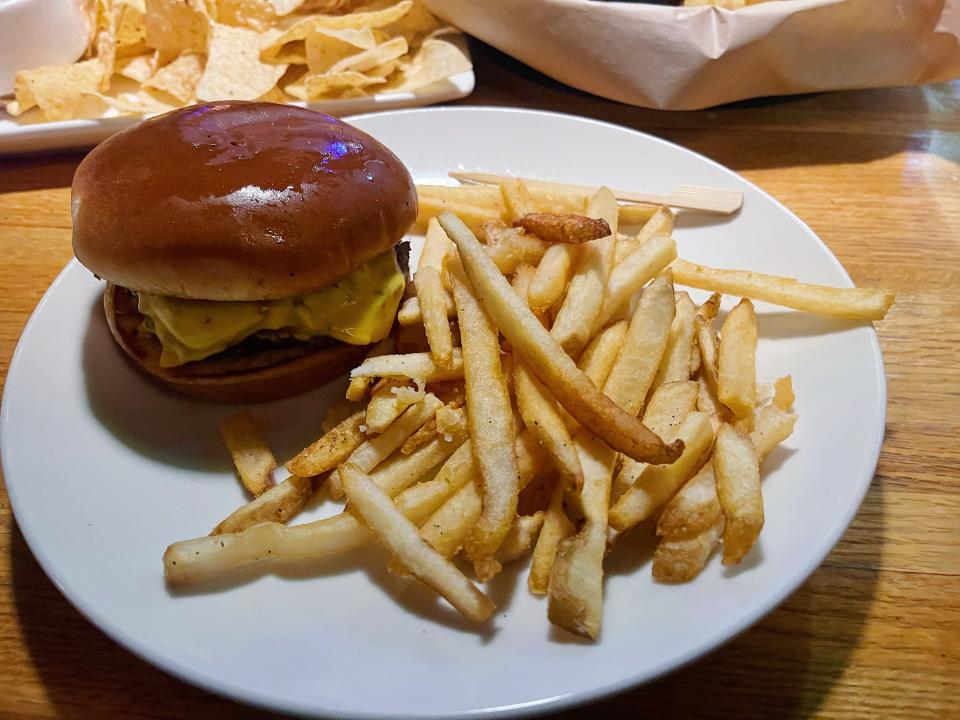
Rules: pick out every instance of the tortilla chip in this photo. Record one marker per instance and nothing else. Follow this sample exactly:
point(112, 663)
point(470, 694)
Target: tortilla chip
point(234, 70)
point(374, 57)
point(175, 26)
point(131, 23)
point(179, 79)
point(139, 67)
point(254, 14)
point(324, 48)
point(58, 90)
point(298, 29)
point(337, 85)
point(435, 60)
point(415, 26)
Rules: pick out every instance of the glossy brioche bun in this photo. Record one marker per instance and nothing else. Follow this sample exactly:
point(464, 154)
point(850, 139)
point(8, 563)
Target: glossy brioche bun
point(255, 376)
point(238, 201)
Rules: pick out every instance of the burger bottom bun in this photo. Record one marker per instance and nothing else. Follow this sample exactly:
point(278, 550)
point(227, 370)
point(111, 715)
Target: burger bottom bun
point(256, 376)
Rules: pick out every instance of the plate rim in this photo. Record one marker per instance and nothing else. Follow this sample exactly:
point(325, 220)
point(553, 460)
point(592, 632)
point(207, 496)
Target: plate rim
point(571, 699)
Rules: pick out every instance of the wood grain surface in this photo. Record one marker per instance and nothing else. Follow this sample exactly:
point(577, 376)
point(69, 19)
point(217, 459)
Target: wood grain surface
point(875, 632)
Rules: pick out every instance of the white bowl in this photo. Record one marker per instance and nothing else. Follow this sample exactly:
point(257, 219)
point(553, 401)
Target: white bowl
point(38, 32)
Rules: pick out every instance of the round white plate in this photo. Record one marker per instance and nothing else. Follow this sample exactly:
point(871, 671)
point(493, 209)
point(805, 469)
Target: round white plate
point(104, 471)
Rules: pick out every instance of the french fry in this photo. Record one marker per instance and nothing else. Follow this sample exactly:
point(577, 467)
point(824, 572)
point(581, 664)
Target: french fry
point(521, 538)
point(851, 303)
point(681, 559)
point(510, 248)
point(626, 246)
point(411, 314)
point(675, 364)
point(706, 336)
point(575, 592)
point(658, 483)
point(433, 296)
point(552, 276)
point(771, 427)
point(737, 360)
point(474, 215)
point(415, 366)
point(375, 450)
point(694, 509)
point(400, 536)
point(278, 504)
point(528, 338)
point(783, 396)
point(489, 418)
point(386, 403)
point(330, 449)
point(357, 389)
point(628, 276)
point(636, 365)
point(598, 359)
point(668, 407)
point(660, 223)
point(573, 229)
point(194, 560)
point(252, 458)
point(738, 488)
point(578, 316)
point(449, 526)
point(556, 527)
point(517, 200)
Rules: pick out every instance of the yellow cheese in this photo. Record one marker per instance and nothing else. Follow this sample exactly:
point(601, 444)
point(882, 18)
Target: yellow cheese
point(358, 310)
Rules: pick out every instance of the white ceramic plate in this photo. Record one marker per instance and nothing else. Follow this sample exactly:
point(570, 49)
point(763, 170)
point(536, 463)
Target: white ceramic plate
point(18, 136)
point(104, 471)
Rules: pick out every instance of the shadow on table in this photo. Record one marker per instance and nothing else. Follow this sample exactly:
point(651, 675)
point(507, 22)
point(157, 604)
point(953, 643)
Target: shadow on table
point(39, 172)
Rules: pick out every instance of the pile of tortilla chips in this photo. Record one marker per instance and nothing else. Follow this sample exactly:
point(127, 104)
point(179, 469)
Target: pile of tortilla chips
point(150, 56)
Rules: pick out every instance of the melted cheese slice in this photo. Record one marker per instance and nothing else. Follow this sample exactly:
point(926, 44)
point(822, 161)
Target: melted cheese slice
point(358, 310)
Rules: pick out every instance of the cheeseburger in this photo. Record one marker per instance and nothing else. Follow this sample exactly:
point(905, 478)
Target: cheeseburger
point(250, 250)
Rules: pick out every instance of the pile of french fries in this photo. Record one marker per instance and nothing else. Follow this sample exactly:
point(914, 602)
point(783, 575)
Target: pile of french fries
point(547, 390)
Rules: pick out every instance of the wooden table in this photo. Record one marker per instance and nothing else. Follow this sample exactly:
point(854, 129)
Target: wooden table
point(874, 632)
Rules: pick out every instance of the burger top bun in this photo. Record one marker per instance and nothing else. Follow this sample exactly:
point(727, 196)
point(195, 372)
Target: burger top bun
point(238, 201)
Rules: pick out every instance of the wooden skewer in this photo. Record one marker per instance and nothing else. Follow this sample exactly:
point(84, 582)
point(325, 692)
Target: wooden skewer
point(688, 197)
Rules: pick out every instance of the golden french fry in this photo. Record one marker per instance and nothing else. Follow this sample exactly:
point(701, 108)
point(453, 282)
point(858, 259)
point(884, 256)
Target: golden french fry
point(402, 539)
point(578, 316)
point(510, 248)
point(660, 223)
point(852, 303)
point(375, 450)
point(738, 488)
point(694, 509)
point(542, 417)
point(420, 438)
point(737, 360)
point(528, 338)
point(706, 336)
point(636, 365)
point(783, 396)
point(573, 229)
point(278, 504)
point(553, 273)
point(521, 538)
point(415, 366)
point(675, 364)
point(449, 526)
point(252, 458)
point(771, 427)
point(433, 296)
point(668, 408)
point(556, 527)
point(262, 542)
point(330, 449)
point(658, 483)
point(681, 559)
point(357, 389)
point(598, 359)
point(411, 314)
point(575, 593)
point(628, 276)
point(489, 418)
point(387, 402)
point(517, 200)
point(430, 206)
